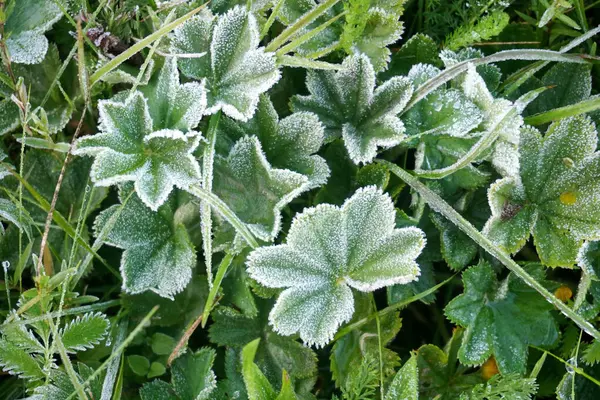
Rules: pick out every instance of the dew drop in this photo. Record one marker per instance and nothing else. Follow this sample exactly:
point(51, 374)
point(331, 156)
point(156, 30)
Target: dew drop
point(6, 265)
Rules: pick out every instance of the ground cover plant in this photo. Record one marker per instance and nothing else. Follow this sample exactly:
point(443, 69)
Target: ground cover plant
point(299, 199)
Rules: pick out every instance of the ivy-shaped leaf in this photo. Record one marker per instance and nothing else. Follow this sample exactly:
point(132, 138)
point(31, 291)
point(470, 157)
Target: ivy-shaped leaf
point(290, 143)
point(84, 332)
point(192, 378)
point(25, 28)
point(348, 104)
point(328, 250)
point(555, 195)
point(158, 253)
point(236, 69)
point(128, 149)
point(501, 318)
point(255, 190)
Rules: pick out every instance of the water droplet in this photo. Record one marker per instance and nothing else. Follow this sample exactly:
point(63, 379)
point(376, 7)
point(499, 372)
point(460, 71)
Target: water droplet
point(88, 188)
point(6, 265)
point(571, 364)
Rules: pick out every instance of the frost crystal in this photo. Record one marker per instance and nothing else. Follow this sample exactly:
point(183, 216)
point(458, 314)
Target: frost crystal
point(127, 149)
point(236, 69)
point(349, 106)
point(328, 250)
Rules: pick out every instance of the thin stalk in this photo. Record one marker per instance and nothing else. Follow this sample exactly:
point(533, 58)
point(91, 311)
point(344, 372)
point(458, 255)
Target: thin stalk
point(394, 307)
point(212, 295)
point(575, 368)
point(582, 107)
point(301, 62)
point(112, 370)
point(439, 205)
point(506, 55)
point(64, 313)
point(271, 18)
point(379, 346)
point(208, 160)
point(226, 212)
point(117, 352)
point(147, 41)
point(584, 285)
point(294, 44)
point(300, 24)
point(69, 368)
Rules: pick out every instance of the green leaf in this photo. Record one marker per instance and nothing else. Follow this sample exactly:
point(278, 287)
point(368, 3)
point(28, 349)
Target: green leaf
point(157, 390)
point(502, 319)
point(255, 190)
point(349, 106)
point(84, 332)
point(328, 250)
point(192, 376)
point(158, 254)
point(128, 149)
point(274, 354)
point(289, 143)
point(156, 369)
point(419, 49)
point(406, 382)
point(162, 344)
point(16, 361)
point(140, 365)
point(172, 105)
point(236, 69)
point(499, 387)
point(588, 259)
point(9, 116)
point(555, 198)
point(483, 29)
point(257, 384)
point(19, 217)
point(25, 28)
point(23, 338)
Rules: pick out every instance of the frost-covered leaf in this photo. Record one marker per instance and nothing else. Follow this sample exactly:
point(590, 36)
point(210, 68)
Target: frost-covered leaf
point(20, 218)
point(255, 190)
point(274, 354)
point(17, 361)
point(588, 259)
point(84, 332)
point(406, 382)
point(158, 390)
point(128, 149)
point(237, 71)
point(501, 318)
point(9, 116)
point(289, 143)
point(555, 198)
point(172, 105)
point(349, 106)
point(158, 253)
point(25, 28)
point(505, 386)
point(328, 250)
point(22, 337)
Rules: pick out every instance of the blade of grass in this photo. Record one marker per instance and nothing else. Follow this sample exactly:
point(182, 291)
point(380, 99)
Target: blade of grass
point(212, 295)
point(148, 40)
point(439, 205)
point(301, 62)
point(294, 44)
point(589, 105)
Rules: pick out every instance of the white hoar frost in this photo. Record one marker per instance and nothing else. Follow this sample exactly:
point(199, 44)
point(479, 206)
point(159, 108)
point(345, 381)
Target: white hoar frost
point(330, 249)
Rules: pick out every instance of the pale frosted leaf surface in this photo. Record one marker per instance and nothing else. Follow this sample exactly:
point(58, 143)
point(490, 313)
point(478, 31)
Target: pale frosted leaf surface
point(25, 28)
point(84, 332)
point(158, 253)
point(127, 149)
point(9, 116)
point(253, 189)
point(328, 249)
point(558, 198)
point(406, 382)
point(588, 259)
point(172, 105)
point(237, 71)
point(348, 104)
point(501, 318)
point(289, 143)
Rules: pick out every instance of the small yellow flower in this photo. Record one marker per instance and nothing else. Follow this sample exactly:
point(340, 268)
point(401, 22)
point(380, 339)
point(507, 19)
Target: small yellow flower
point(563, 293)
point(568, 198)
point(489, 368)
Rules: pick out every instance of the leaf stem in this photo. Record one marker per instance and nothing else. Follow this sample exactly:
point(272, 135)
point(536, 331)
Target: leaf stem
point(349, 328)
point(300, 24)
point(226, 212)
point(208, 160)
point(575, 368)
point(439, 205)
point(585, 106)
point(271, 18)
point(212, 295)
point(379, 345)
